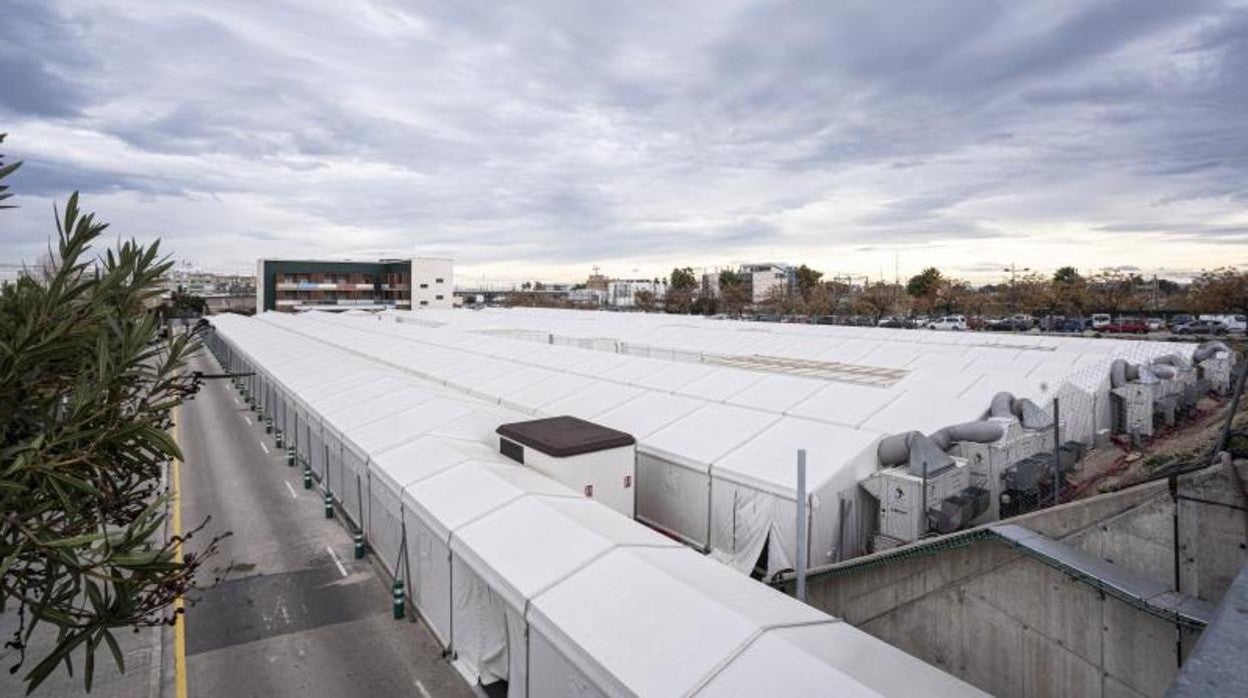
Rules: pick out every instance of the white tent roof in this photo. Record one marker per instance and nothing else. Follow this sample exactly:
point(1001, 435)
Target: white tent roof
point(648, 413)
point(599, 397)
point(530, 544)
point(455, 496)
point(653, 622)
point(829, 658)
point(702, 437)
point(388, 432)
point(425, 456)
point(769, 460)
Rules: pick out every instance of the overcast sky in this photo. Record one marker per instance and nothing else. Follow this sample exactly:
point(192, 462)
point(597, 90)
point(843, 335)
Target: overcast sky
point(542, 138)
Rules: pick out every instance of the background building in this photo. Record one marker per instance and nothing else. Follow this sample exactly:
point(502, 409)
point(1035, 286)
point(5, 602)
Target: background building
point(622, 293)
point(291, 285)
point(765, 276)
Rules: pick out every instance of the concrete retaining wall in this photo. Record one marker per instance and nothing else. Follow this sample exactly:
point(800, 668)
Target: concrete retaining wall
point(1014, 626)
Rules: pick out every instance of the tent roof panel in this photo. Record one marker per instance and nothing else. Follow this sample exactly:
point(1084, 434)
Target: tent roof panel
point(453, 497)
point(648, 413)
point(531, 543)
point(769, 460)
point(375, 437)
point(702, 437)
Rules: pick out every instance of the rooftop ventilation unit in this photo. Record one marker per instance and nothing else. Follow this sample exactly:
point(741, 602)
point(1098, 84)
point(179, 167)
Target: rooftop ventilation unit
point(597, 461)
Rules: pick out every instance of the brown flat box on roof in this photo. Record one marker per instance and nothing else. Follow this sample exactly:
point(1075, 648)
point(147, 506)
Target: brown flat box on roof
point(565, 436)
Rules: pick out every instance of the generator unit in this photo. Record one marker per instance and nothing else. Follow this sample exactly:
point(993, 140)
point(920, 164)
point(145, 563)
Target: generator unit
point(988, 462)
point(911, 505)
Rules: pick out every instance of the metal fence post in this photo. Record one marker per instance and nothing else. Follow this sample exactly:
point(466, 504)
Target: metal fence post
point(1057, 452)
point(801, 525)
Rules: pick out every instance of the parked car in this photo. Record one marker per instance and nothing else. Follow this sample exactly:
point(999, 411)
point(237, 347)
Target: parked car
point(948, 322)
point(1126, 325)
point(896, 323)
point(1202, 327)
point(1069, 325)
point(1008, 324)
point(1100, 320)
point(1234, 323)
point(1155, 324)
point(1178, 320)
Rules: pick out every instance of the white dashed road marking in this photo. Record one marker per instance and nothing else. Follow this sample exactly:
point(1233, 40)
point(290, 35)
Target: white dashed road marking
point(338, 562)
point(293, 495)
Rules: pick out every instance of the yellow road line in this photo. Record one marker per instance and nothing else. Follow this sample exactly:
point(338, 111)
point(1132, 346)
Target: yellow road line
point(179, 626)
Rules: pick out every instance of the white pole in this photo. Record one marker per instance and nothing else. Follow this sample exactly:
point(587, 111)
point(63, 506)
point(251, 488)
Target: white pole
point(801, 525)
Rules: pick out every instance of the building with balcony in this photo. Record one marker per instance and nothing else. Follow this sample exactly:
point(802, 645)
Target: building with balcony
point(296, 285)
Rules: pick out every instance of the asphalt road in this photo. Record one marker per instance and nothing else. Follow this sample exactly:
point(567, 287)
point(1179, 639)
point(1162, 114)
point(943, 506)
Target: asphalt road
point(295, 615)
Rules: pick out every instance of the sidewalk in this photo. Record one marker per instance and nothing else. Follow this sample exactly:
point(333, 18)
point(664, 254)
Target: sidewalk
point(142, 651)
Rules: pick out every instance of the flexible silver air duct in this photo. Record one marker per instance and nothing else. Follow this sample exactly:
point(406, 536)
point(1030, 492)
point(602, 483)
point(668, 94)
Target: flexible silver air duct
point(980, 432)
point(915, 449)
point(1208, 350)
point(1029, 414)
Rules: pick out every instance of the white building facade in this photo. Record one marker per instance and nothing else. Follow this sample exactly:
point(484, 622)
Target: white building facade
point(433, 282)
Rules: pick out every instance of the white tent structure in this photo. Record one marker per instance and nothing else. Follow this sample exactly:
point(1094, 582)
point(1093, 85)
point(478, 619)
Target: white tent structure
point(524, 580)
point(700, 474)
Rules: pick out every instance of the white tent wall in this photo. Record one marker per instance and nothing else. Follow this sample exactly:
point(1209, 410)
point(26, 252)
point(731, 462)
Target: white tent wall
point(673, 498)
point(553, 674)
point(480, 641)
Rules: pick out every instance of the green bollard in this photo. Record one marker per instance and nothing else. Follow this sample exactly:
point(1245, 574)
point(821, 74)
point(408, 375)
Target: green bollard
point(329, 505)
point(400, 604)
point(307, 478)
point(358, 539)
point(277, 438)
point(290, 457)
point(268, 425)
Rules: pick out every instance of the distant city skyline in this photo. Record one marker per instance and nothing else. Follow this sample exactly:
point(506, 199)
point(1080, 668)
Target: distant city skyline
point(537, 140)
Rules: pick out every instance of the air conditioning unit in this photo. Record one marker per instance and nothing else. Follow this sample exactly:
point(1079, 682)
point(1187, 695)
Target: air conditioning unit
point(908, 504)
point(1133, 408)
point(987, 462)
point(1217, 370)
point(594, 460)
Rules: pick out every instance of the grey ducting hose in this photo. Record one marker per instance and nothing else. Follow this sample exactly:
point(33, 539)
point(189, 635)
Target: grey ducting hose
point(895, 449)
point(1004, 404)
point(914, 448)
point(979, 432)
point(1164, 371)
point(1208, 350)
point(1170, 360)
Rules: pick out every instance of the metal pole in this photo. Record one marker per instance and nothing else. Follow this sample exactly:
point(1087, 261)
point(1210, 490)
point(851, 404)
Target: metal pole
point(801, 525)
point(1057, 452)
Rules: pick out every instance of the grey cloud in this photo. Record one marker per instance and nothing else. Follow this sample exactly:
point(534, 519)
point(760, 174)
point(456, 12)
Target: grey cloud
point(572, 132)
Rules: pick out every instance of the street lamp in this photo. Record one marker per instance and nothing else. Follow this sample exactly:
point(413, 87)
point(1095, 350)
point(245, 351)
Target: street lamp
point(1013, 305)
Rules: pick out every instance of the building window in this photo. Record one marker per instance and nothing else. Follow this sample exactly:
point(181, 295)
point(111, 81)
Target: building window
point(424, 285)
point(438, 280)
point(424, 302)
point(438, 297)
